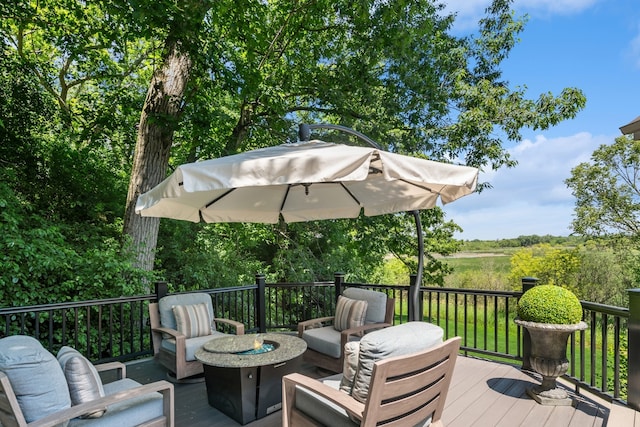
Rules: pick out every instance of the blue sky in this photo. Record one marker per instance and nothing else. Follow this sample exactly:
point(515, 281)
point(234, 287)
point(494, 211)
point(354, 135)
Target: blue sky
point(593, 45)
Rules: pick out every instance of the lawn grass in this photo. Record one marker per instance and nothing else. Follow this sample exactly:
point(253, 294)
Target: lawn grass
point(498, 263)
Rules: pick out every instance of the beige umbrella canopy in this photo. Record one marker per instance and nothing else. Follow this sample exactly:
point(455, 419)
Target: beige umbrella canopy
point(305, 181)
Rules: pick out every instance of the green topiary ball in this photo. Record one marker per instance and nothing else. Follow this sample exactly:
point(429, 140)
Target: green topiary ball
point(550, 304)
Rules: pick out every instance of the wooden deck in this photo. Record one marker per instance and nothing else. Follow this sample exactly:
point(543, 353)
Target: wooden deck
point(482, 394)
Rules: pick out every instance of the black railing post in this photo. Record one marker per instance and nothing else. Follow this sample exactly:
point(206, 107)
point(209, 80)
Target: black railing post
point(162, 289)
point(415, 313)
point(633, 358)
point(261, 305)
point(338, 282)
point(527, 283)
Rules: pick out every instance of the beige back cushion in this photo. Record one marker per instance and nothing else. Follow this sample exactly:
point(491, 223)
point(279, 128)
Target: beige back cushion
point(166, 304)
point(376, 303)
point(399, 340)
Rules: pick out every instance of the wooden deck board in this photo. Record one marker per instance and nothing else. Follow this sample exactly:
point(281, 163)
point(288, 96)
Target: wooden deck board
point(622, 416)
point(484, 411)
point(482, 394)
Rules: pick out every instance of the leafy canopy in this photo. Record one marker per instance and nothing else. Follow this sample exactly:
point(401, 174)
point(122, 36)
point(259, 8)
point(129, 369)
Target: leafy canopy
point(607, 191)
point(75, 74)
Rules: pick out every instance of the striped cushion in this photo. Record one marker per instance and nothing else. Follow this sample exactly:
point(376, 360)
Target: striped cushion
point(350, 313)
point(192, 320)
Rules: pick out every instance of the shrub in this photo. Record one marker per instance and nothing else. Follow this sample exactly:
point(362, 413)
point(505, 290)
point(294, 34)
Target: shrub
point(550, 304)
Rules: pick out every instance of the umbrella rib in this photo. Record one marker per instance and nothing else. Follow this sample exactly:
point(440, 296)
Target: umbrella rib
point(350, 193)
point(218, 198)
point(284, 199)
point(419, 186)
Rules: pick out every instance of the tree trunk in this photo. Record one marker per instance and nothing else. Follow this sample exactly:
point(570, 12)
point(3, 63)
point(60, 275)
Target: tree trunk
point(158, 120)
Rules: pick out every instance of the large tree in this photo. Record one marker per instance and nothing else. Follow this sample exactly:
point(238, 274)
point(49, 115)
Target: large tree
point(607, 191)
point(160, 115)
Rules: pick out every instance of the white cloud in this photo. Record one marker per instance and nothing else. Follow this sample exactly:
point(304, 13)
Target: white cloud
point(469, 12)
point(554, 6)
point(530, 198)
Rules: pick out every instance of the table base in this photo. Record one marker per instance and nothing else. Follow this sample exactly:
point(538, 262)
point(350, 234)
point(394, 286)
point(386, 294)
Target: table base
point(246, 394)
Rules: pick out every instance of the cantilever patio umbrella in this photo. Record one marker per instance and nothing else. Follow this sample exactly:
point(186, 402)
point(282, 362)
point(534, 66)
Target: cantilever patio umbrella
point(305, 181)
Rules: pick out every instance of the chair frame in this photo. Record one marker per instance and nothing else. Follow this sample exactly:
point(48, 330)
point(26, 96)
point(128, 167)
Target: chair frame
point(404, 389)
point(11, 415)
point(177, 362)
point(332, 364)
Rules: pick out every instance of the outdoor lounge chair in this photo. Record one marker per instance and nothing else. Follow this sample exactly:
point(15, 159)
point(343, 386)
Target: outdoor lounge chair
point(325, 344)
point(390, 383)
point(38, 389)
point(175, 342)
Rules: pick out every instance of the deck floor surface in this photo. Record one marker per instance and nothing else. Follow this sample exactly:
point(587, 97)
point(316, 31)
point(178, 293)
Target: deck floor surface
point(482, 394)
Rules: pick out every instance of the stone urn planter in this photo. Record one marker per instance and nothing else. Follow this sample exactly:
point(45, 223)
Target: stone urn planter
point(551, 314)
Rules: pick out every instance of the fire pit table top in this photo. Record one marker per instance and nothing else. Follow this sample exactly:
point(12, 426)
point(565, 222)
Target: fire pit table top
point(230, 351)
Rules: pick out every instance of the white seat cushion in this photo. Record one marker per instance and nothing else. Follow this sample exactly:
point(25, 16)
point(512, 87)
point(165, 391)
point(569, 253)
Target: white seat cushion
point(321, 409)
point(325, 340)
point(129, 412)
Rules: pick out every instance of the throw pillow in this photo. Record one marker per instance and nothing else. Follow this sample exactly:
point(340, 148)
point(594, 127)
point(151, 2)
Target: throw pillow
point(192, 320)
point(83, 380)
point(351, 353)
point(350, 313)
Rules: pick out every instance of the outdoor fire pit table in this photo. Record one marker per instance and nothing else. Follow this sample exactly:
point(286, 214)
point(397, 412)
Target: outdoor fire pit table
point(243, 373)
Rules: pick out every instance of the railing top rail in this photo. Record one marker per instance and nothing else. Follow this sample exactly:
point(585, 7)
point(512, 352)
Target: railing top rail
point(605, 309)
point(220, 290)
point(298, 285)
point(74, 304)
point(375, 285)
point(514, 294)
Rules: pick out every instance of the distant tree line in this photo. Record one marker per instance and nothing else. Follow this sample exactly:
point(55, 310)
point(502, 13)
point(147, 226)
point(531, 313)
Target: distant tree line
point(522, 241)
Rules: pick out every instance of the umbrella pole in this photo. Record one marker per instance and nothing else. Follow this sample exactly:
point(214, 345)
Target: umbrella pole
point(416, 307)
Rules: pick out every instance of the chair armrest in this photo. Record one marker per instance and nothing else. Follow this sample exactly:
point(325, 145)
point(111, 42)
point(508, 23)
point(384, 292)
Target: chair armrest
point(119, 367)
point(174, 333)
point(306, 324)
point(181, 341)
point(239, 326)
point(345, 334)
point(365, 328)
point(340, 398)
point(164, 387)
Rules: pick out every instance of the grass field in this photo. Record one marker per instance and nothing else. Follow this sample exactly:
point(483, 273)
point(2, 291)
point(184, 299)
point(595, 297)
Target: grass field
point(479, 271)
point(465, 261)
